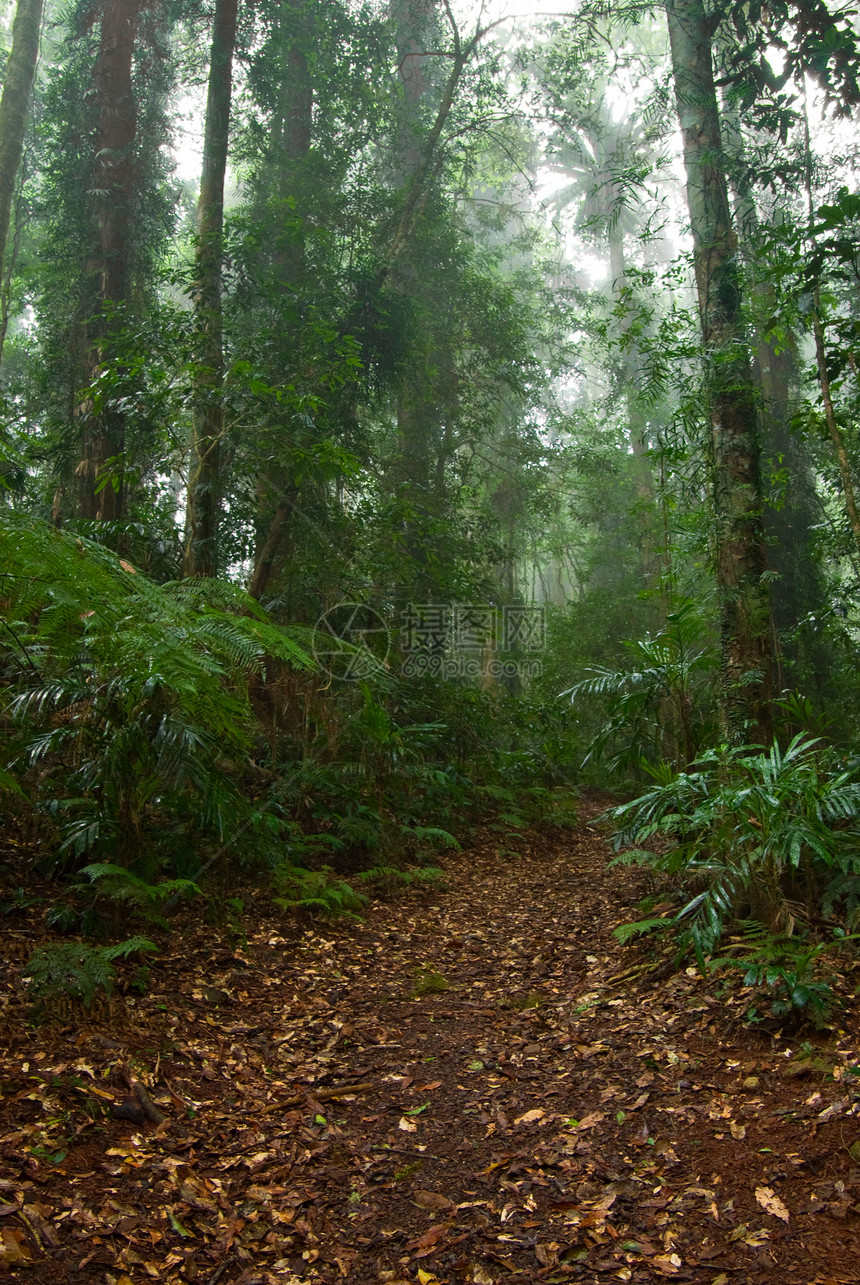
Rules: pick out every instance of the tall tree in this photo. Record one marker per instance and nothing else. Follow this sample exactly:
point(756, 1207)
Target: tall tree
point(108, 212)
point(798, 589)
point(17, 88)
point(292, 37)
point(115, 174)
point(604, 157)
point(740, 553)
point(207, 422)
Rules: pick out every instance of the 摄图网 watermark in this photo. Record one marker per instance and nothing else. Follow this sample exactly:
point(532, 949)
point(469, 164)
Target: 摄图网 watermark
point(436, 640)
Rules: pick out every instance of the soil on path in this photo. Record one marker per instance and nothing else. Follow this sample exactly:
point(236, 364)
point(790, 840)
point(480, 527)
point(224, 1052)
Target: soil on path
point(529, 1105)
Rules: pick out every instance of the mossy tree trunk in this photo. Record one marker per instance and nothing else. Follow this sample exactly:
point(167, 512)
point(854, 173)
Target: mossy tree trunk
point(745, 629)
point(290, 140)
point(115, 184)
point(14, 104)
point(207, 423)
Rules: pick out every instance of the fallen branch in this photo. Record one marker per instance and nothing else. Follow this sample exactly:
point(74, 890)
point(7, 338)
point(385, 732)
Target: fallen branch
point(150, 1110)
point(324, 1095)
point(628, 974)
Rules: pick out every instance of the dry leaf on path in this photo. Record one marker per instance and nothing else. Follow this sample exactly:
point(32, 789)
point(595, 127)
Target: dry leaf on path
point(770, 1202)
point(430, 1240)
point(589, 1121)
point(433, 1200)
point(12, 1251)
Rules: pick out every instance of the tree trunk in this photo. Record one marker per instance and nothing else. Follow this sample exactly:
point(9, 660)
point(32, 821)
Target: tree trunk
point(637, 423)
point(15, 101)
point(798, 589)
point(740, 543)
point(290, 143)
point(270, 546)
point(830, 419)
point(207, 421)
point(838, 441)
point(115, 179)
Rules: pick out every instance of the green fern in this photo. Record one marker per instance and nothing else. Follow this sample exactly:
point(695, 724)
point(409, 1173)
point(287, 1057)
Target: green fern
point(139, 693)
point(76, 972)
point(753, 829)
point(656, 706)
point(316, 892)
point(387, 881)
point(626, 932)
point(432, 835)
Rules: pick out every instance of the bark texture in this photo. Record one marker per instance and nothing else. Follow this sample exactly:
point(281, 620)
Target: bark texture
point(798, 589)
point(114, 187)
point(14, 103)
point(207, 422)
point(290, 145)
point(732, 404)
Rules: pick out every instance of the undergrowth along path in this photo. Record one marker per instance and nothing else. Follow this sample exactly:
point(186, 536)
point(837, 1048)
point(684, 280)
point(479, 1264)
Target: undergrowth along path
point(526, 1105)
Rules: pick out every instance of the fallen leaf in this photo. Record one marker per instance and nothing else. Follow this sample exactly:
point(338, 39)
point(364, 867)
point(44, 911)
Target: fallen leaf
point(430, 1239)
point(529, 1117)
point(547, 1254)
point(589, 1121)
point(642, 1134)
point(12, 1249)
point(836, 1108)
point(770, 1202)
point(433, 1200)
point(747, 1237)
point(177, 1225)
point(738, 1131)
point(408, 1126)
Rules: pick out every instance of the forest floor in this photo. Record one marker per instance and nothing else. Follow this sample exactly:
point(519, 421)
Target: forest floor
point(528, 1104)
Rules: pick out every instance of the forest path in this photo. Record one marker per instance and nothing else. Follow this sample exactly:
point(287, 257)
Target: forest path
point(531, 1107)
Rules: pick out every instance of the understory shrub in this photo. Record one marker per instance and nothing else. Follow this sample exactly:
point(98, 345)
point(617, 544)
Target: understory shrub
point(73, 972)
point(660, 706)
point(316, 892)
point(153, 734)
point(129, 712)
point(770, 838)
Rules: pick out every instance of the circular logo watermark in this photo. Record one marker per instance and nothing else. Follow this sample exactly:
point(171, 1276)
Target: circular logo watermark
point(351, 642)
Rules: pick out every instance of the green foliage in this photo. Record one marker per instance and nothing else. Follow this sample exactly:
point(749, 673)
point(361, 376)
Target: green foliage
point(316, 892)
point(387, 881)
point(626, 932)
point(423, 401)
point(114, 892)
point(659, 708)
point(787, 968)
point(130, 700)
point(763, 835)
point(73, 972)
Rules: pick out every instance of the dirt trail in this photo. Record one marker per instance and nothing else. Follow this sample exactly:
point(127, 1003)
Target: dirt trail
point(526, 1111)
